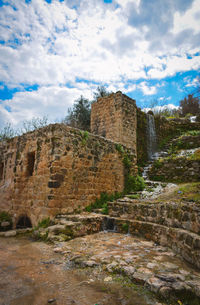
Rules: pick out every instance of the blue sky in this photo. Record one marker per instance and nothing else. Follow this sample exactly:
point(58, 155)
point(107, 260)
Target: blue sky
point(53, 51)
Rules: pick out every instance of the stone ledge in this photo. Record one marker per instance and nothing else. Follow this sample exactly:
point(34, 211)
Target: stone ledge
point(185, 243)
point(184, 216)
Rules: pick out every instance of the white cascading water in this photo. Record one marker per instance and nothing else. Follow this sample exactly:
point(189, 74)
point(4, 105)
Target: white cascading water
point(151, 136)
point(153, 154)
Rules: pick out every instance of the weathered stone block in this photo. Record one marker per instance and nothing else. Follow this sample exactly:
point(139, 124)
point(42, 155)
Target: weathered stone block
point(53, 184)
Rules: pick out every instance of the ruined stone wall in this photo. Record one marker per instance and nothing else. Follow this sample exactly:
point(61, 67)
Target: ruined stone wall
point(57, 169)
point(114, 117)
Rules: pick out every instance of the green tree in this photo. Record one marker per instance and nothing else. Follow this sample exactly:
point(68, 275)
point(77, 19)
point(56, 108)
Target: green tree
point(101, 92)
point(79, 115)
point(190, 104)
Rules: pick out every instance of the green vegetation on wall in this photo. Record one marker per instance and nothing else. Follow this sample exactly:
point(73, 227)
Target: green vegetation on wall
point(132, 183)
point(101, 202)
point(142, 156)
point(5, 217)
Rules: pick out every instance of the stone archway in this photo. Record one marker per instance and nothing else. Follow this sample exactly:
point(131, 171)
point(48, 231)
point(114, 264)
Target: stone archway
point(23, 222)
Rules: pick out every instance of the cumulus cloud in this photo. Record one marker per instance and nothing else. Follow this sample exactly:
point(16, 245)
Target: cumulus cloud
point(52, 102)
point(69, 47)
point(156, 15)
point(147, 90)
point(158, 109)
point(191, 82)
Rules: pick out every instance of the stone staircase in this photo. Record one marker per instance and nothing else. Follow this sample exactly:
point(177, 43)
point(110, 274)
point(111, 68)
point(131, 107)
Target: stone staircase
point(153, 227)
point(158, 225)
point(169, 224)
point(67, 227)
point(175, 225)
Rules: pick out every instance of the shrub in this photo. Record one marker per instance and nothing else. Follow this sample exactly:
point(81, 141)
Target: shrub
point(85, 136)
point(119, 148)
point(102, 201)
point(5, 216)
point(105, 209)
point(127, 161)
point(44, 223)
point(134, 184)
point(192, 133)
point(157, 164)
point(125, 227)
point(101, 91)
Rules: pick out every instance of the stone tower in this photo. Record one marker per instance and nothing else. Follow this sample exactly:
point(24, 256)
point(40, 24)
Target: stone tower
point(114, 117)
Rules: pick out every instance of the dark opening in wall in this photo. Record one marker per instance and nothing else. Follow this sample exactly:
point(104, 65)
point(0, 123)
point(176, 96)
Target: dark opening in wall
point(24, 222)
point(1, 170)
point(109, 224)
point(30, 163)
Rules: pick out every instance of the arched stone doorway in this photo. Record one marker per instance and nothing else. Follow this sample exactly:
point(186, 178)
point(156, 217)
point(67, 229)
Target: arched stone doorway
point(23, 222)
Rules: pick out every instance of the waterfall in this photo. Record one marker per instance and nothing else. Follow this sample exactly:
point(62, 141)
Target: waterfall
point(151, 136)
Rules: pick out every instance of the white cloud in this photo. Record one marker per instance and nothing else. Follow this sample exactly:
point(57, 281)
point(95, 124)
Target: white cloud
point(58, 44)
point(192, 82)
point(188, 19)
point(158, 109)
point(147, 90)
point(52, 102)
point(55, 44)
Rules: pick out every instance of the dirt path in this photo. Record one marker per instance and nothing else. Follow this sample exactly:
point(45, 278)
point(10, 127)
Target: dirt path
point(32, 274)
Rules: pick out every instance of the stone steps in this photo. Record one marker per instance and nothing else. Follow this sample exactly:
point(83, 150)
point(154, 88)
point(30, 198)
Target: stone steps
point(181, 240)
point(71, 226)
point(179, 215)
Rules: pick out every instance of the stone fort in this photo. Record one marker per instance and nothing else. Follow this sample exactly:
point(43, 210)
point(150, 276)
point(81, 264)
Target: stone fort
point(60, 169)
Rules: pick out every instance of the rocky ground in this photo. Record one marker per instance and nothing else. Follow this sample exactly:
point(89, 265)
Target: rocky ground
point(143, 262)
point(86, 264)
point(31, 273)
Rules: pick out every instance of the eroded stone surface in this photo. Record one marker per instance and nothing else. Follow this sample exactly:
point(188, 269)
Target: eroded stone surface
point(144, 262)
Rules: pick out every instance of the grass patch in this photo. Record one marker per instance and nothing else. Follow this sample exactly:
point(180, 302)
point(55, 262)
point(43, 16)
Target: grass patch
point(157, 163)
point(195, 156)
point(125, 227)
point(102, 201)
point(105, 209)
point(119, 148)
point(5, 216)
point(85, 136)
point(190, 191)
point(44, 223)
point(157, 177)
point(127, 161)
point(184, 192)
point(134, 196)
point(192, 133)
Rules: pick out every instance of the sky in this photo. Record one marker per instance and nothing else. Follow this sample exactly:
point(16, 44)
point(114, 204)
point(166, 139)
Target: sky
point(53, 51)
